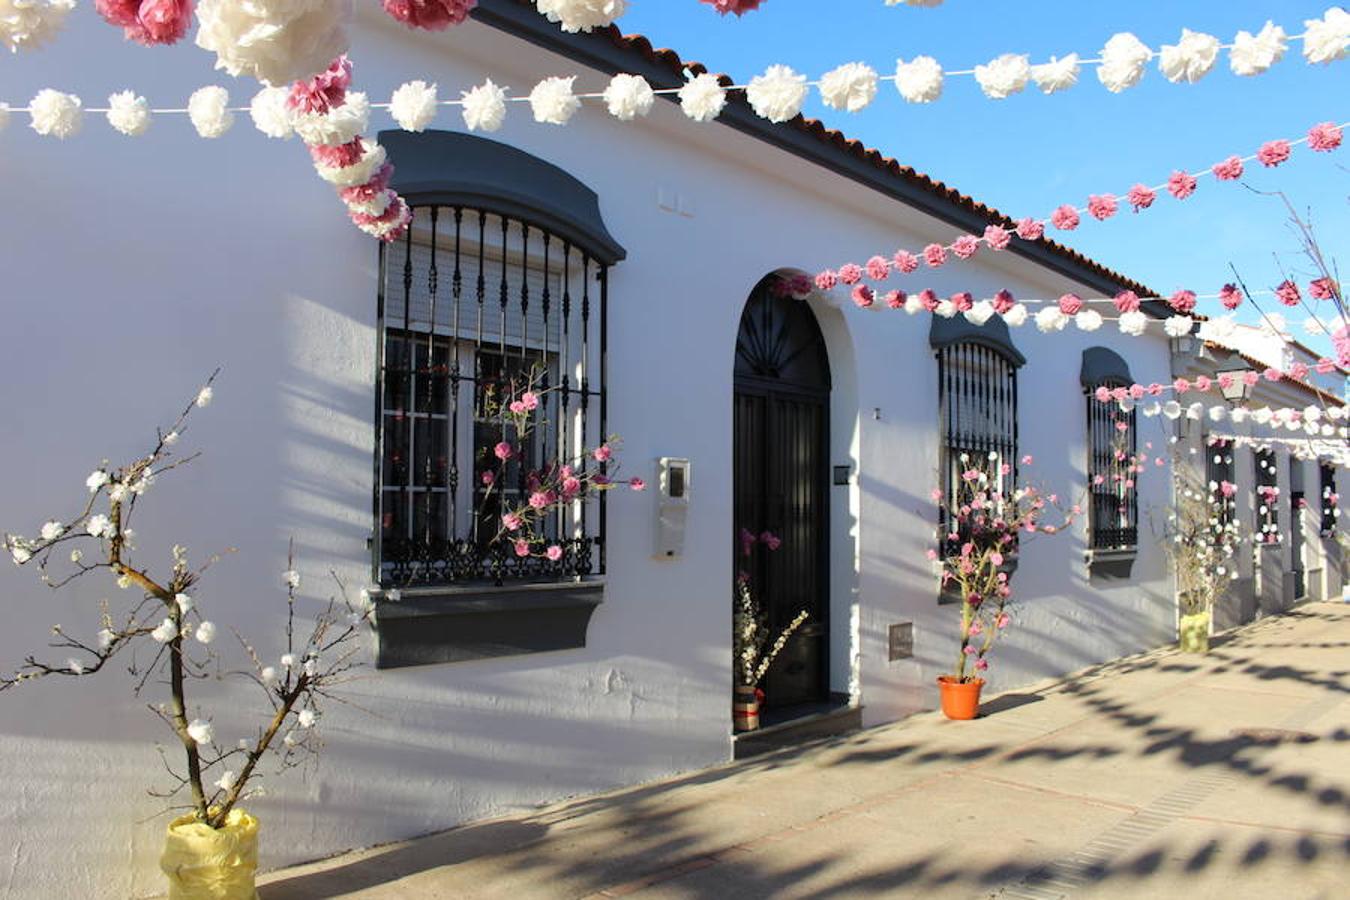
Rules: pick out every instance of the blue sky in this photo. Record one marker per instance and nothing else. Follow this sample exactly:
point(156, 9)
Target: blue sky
point(1029, 153)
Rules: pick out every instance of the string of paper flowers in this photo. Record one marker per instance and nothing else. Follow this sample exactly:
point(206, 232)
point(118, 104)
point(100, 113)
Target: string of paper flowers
point(1313, 421)
point(1322, 138)
point(1302, 448)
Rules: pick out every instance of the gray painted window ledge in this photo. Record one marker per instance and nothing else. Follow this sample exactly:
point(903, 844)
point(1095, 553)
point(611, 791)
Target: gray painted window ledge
point(456, 624)
point(1112, 564)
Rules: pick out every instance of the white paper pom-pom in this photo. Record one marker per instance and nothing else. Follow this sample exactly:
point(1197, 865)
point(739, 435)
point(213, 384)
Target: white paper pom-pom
point(1171, 409)
point(1004, 76)
point(55, 114)
point(581, 15)
point(1178, 326)
point(1327, 39)
point(1221, 327)
point(703, 98)
point(339, 125)
point(375, 206)
point(914, 304)
point(413, 105)
point(208, 108)
point(274, 41)
point(980, 312)
point(270, 113)
point(553, 102)
point(851, 87)
point(28, 24)
point(1088, 320)
point(629, 96)
point(1218, 413)
point(1190, 58)
point(1133, 323)
point(1254, 54)
point(920, 80)
point(1123, 61)
point(484, 107)
point(1057, 74)
point(778, 94)
point(1017, 316)
point(359, 172)
point(1314, 326)
point(128, 113)
point(1051, 318)
point(946, 309)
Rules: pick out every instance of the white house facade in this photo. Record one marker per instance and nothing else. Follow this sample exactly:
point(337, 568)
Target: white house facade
point(636, 267)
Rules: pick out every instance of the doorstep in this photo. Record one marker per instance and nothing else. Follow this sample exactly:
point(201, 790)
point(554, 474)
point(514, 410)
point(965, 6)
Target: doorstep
point(825, 720)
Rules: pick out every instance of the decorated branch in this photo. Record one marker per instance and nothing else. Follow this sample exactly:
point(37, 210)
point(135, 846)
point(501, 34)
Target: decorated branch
point(754, 645)
point(166, 638)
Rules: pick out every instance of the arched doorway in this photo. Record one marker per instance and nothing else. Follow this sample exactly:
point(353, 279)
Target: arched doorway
point(781, 448)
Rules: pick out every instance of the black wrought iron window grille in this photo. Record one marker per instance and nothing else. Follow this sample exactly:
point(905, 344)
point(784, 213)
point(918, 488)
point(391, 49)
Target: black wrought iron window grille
point(1267, 500)
point(1220, 471)
point(472, 307)
point(1112, 481)
point(1330, 500)
point(977, 402)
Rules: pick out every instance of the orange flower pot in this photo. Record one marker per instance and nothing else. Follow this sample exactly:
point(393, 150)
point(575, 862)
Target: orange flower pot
point(960, 700)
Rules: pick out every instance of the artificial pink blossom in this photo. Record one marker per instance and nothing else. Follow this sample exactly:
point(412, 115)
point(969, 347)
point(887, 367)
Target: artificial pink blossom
point(1322, 289)
point(997, 237)
point(1272, 374)
point(1272, 153)
point(1324, 137)
point(863, 296)
point(1118, 394)
point(965, 246)
point(1141, 197)
point(1027, 460)
point(895, 299)
point(1065, 218)
point(1126, 301)
point(850, 273)
point(1228, 170)
point(969, 650)
point(637, 484)
point(936, 494)
point(602, 453)
point(1029, 229)
point(1103, 206)
point(571, 485)
point(554, 552)
point(739, 7)
point(826, 280)
point(981, 664)
point(324, 91)
point(1070, 304)
point(878, 268)
point(337, 156)
point(1122, 426)
point(1183, 301)
point(1181, 185)
point(530, 400)
point(929, 299)
point(512, 522)
point(516, 407)
point(538, 500)
point(488, 478)
point(1004, 301)
point(905, 261)
point(963, 301)
point(1230, 296)
point(931, 553)
point(1287, 293)
point(935, 255)
point(503, 451)
point(431, 15)
point(522, 548)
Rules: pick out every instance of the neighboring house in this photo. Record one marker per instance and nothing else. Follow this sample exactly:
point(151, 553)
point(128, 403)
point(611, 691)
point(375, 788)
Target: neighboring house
point(634, 265)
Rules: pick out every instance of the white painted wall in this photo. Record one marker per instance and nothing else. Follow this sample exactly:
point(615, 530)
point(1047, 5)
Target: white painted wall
point(137, 266)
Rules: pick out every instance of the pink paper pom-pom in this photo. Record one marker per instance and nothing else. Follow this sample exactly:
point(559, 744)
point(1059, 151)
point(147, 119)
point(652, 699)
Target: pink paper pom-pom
point(963, 301)
point(148, 22)
point(431, 15)
point(929, 298)
point(826, 280)
point(850, 273)
point(1103, 206)
point(739, 7)
point(1181, 385)
point(365, 193)
point(1070, 304)
point(1103, 394)
point(895, 299)
point(965, 246)
point(1272, 374)
point(1287, 293)
point(1325, 366)
point(1225, 381)
point(905, 261)
point(1202, 383)
point(1126, 301)
point(1181, 185)
point(863, 296)
point(1030, 230)
point(1230, 296)
point(935, 255)
point(1228, 170)
point(878, 268)
point(1298, 371)
point(324, 91)
point(338, 156)
point(1272, 153)
point(1065, 218)
point(1324, 137)
point(1322, 288)
point(1141, 197)
point(1137, 391)
point(997, 237)
point(1183, 301)
point(1004, 301)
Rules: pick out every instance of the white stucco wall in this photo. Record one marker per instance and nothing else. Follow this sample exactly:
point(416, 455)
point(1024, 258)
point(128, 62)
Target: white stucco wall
point(137, 266)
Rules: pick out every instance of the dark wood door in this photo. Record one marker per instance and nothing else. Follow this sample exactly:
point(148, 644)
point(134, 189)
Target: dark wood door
point(781, 469)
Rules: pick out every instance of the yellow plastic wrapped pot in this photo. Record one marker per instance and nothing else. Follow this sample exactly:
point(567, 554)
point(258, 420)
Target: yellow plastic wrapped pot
point(1194, 632)
point(204, 863)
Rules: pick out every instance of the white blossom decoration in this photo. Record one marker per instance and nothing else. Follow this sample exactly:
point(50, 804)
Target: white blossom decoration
point(1190, 58)
point(581, 15)
point(919, 80)
point(206, 632)
point(1088, 320)
point(1123, 60)
point(851, 87)
point(340, 125)
point(270, 114)
point(1327, 39)
point(208, 108)
point(703, 98)
point(128, 113)
point(629, 96)
point(946, 309)
point(778, 94)
point(413, 105)
point(484, 107)
point(1056, 75)
point(200, 731)
point(1051, 319)
point(553, 102)
point(1004, 76)
point(1017, 316)
point(1133, 323)
point(980, 312)
point(1254, 54)
point(1178, 326)
point(274, 41)
point(28, 24)
point(55, 114)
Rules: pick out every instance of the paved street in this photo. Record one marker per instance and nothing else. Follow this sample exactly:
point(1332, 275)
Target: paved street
point(1163, 775)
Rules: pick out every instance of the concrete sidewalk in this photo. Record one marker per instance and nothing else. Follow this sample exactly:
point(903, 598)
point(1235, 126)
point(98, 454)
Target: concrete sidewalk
point(1163, 775)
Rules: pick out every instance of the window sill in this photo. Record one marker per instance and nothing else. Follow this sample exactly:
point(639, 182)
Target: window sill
point(1114, 564)
point(456, 624)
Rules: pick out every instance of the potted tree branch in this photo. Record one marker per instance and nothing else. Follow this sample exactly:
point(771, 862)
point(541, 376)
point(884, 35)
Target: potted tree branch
point(754, 645)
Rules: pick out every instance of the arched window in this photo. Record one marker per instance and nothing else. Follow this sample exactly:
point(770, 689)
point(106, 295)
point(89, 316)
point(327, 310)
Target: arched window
point(499, 287)
point(1112, 446)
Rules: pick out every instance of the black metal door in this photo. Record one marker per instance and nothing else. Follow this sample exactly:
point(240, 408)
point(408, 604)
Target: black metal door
point(781, 468)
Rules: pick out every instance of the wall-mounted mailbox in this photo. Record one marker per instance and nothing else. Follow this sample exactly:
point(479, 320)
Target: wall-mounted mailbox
point(672, 506)
point(901, 641)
